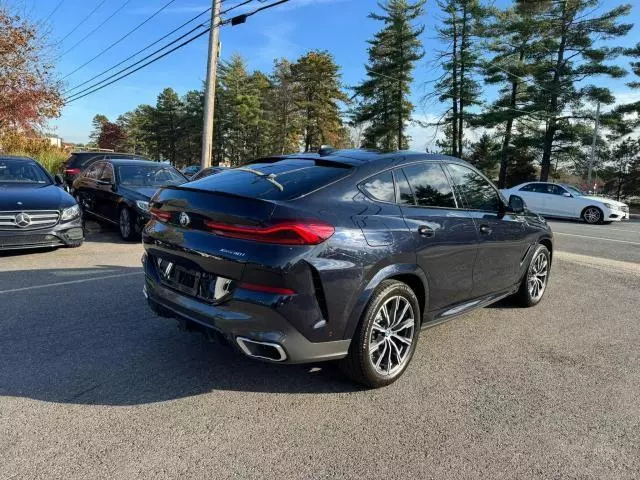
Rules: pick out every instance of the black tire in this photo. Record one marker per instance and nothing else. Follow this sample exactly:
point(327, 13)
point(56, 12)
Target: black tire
point(359, 364)
point(127, 224)
point(525, 297)
point(75, 244)
point(593, 215)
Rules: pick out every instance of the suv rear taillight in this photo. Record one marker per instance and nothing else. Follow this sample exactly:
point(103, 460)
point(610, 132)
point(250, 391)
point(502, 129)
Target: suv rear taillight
point(72, 171)
point(287, 232)
point(160, 215)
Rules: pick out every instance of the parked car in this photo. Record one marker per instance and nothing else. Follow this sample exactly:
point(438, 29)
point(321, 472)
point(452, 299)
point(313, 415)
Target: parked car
point(34, 209)
point(345, 256)
point(205, 172)
point(79, 161)
point(566, 201)
point(190, 171)
point(118, 191)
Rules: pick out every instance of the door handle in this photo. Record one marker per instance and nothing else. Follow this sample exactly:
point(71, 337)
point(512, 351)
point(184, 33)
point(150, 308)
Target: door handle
point(485, 229)
point(426, 231)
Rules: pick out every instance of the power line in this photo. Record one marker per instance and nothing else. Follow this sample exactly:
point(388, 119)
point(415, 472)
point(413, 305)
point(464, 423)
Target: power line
point(234, 21)
point(53, 11)
point(150, 54)
point(140, 51)
point(142, 66)
point(139, 61)
point(103, 51)
point(81, 22)
point(95, 29)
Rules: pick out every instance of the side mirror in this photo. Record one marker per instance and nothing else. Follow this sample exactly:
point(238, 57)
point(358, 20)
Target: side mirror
point(516, 204)
point(567, 194)
point(59, 179)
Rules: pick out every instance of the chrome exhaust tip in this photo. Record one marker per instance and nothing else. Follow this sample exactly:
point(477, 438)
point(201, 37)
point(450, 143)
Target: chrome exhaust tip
point(263, 350)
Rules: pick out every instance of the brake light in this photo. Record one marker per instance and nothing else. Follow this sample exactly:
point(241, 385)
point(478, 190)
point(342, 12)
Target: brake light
point(160, 215)
point(254, 287)
point(72, 171)
point(284, 233)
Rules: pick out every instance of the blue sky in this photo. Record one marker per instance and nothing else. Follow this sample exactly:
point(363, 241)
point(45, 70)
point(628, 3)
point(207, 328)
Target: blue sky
point(339, 26)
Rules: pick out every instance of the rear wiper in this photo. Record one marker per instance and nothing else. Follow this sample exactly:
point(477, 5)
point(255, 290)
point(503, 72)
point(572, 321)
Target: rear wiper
point(269, 177)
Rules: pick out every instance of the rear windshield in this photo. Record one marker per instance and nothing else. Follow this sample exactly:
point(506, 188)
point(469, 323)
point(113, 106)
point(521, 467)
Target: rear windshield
point(79, 160)
point(281, 180)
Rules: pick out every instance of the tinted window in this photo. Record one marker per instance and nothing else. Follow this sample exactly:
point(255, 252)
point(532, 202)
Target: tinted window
point(403, 190)
point(149, 175)
point(477, 192)
point(21, 171)
point(556, 189)
point(430, 185)
point(94, 171)
point(281, 180)
point(107, 173)
point(380, 187)
point(529, 188)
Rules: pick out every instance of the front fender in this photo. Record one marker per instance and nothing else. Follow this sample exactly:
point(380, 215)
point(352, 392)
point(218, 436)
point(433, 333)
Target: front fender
point(385, 273)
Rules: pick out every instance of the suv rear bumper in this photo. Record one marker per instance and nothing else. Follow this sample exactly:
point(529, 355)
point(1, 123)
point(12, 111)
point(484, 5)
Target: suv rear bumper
point(246, 325)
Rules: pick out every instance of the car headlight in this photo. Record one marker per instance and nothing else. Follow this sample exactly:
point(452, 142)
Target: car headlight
point(142, 205)
point(610, 206)
point(70, 213)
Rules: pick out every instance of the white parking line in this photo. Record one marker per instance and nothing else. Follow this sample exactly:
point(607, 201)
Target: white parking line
point(605, 229)
point(70, 282)
point(596, 238)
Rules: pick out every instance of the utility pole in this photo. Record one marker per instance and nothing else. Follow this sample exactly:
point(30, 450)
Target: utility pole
point(210, 87)
point(592, 159)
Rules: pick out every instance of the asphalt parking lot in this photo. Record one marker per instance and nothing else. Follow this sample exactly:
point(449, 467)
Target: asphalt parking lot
point(93, 385)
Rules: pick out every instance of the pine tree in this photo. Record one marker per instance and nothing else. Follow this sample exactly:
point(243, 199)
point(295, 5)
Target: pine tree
point(484, 155)
point(512, 36)
point(571, 52)
point(318, 81)
point(286, 132)
point(168, 129)
point(96, 127)
point(460, 63)
point(384, 106)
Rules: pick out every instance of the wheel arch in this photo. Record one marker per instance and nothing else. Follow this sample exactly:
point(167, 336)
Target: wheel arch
point(410, 274)
point(549, 244)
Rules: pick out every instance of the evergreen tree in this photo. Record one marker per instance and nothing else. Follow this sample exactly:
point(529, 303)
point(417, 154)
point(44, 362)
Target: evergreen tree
point(457, 86)
point(96, 127)
point(384, 106)
point(168, 129)
point(484, 155)
point(512, 36)
point(318, 81)
point(286, 132)
point(191, 126)
point(572, 51)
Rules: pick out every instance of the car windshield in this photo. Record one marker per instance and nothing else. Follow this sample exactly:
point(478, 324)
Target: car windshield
point(22, 171)
point(574, 190)
point(149, 175)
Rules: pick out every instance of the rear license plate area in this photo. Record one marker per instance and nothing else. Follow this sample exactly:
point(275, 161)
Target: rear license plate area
point(195, 283)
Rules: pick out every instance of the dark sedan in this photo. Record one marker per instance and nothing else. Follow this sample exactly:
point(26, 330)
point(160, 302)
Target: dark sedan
point(118, 191)
point(35, 211)
point(344, 256)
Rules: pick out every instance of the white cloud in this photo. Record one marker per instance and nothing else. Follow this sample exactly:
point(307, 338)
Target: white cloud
point(626, 97)
point(424, 137)
point(277, 44)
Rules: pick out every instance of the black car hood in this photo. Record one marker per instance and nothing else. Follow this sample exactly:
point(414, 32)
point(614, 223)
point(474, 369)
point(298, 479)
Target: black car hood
point(33, 197)
point(138, 193)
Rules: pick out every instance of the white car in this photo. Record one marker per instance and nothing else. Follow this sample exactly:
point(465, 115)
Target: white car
point(560, 200)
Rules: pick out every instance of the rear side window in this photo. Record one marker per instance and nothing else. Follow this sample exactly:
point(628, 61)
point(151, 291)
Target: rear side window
point(281, 180)
point(430, 186)
point(380, 187)
point(405, 195)
point(476, 191)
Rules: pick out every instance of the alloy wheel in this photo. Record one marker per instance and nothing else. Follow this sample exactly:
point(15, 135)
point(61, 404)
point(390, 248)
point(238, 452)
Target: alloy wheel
point(392, 335)
point(592, 215)
point(537, 276)
point(125, 223)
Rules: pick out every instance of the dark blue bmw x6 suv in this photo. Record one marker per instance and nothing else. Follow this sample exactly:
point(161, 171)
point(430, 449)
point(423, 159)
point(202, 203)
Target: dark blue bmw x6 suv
point(343, 256)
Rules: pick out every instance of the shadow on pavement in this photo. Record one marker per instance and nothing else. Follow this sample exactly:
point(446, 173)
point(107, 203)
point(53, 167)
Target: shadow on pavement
point(97, 342)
